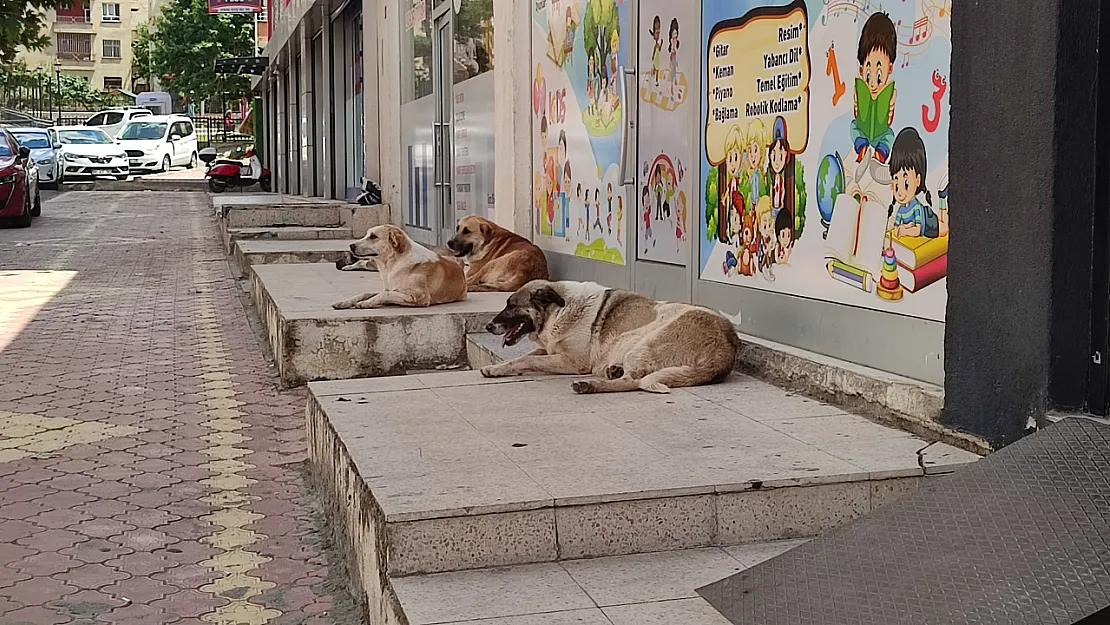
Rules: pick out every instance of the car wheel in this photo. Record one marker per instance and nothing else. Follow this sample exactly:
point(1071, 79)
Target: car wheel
point(24, 220)
point(36, 210)
point(193, 161)
point(166, 163)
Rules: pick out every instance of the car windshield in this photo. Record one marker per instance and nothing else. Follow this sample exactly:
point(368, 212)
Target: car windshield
point(5, 151)
point(32, 140)
point(90, 136)
point(144, 130)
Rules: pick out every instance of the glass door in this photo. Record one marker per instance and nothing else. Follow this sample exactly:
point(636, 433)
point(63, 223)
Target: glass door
point(443, 78)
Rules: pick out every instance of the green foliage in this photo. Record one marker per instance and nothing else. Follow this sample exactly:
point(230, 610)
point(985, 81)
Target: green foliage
point(711, 204)
point(29, 87)
point(21, 24)
point(601, 21)
point(800, 198)
point(185, 43)
point(141, 54)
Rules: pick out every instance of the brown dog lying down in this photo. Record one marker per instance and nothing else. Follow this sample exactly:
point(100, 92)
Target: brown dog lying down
point(412, 275)
point(627, 341)
point(497, 259)
point(350, 262)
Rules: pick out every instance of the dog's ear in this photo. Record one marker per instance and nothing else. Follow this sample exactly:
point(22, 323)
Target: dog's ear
point(397, 240)
point(486, 229)
point(546, 296)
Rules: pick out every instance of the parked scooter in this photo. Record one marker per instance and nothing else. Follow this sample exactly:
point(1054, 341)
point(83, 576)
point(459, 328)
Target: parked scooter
point(223, 174)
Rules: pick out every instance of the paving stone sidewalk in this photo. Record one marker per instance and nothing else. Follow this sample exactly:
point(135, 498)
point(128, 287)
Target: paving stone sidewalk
point(151, 472)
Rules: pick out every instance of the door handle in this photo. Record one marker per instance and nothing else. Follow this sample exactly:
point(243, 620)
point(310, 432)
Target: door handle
point(628, 164)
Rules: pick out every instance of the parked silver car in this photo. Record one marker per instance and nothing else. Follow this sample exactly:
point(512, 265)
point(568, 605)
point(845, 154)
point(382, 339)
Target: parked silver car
point(40, 142)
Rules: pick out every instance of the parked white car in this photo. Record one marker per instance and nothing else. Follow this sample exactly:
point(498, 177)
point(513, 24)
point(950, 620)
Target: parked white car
point(40, 142)
point(84, 151)
point(159, 142)
point(112, 121)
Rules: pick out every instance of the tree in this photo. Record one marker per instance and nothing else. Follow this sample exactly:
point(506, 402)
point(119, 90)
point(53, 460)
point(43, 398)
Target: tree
point(712, 199)
point(21, 24)
point(602, 21)
point(141, 54)
point(800, 198)
point(185, 43)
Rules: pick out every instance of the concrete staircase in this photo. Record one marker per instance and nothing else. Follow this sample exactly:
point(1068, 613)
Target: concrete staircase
point(276, 229)
point(460, 499)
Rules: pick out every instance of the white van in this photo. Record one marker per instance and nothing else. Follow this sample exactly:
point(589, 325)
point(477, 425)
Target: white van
point(111, 121)
point(159, 142)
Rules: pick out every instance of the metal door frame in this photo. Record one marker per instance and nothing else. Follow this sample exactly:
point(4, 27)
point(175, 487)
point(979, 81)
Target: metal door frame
point(656, 279)
point(443, 92)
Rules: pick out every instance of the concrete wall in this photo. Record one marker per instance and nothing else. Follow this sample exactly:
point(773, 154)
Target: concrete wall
point(1018, 331)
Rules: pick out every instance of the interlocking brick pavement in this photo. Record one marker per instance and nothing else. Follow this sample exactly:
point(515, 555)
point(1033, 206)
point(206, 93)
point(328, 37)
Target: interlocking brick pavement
point(151, 471)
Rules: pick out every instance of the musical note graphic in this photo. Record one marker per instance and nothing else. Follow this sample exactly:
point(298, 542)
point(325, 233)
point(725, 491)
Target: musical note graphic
point(920, 30)
point(931, 120)
point(839, 88)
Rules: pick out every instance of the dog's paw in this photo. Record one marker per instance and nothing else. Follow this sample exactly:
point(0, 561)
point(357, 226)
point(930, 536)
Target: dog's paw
point(490, 372)
point(614, 372)
point(341, 264)
point(341, 305)
point(582, 387)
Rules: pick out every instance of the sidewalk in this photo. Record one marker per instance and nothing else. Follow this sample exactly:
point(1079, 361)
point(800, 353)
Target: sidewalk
point(150, 470)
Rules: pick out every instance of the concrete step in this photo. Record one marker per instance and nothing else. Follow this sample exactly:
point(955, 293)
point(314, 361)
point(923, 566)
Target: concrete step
point(312, 341)
point(284, 233)
point(300, 214)
point(249, 253)
point(908, 404)
point(199, 185)
point(623, 590)
point(439, 472)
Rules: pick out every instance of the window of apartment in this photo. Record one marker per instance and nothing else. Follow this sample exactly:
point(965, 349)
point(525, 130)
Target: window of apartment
point(74, 46)
point(416, 53)
point(109, 12)
point(111, 49)
point(113, 82)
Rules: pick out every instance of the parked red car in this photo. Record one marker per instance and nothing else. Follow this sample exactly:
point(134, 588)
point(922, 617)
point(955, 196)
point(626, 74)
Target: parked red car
point(19, 182)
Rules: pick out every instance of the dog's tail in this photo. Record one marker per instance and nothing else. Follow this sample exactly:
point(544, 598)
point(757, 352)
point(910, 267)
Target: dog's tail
point(665, 379)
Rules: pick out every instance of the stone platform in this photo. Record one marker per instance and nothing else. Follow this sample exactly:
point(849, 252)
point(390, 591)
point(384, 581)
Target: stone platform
point(312, 341)
point(249, 252)
point(283, 217)
point(441, 472)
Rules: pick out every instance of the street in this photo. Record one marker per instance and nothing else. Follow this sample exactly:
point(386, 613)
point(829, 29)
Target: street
point(151, 472)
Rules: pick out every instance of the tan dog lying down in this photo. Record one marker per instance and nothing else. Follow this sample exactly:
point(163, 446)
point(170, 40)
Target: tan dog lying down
point(497, 259)
point(627, 341)
point(412, 275)
point(354, 263)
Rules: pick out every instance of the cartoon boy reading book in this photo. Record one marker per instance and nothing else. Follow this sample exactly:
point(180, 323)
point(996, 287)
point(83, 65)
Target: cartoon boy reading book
point(874, 90)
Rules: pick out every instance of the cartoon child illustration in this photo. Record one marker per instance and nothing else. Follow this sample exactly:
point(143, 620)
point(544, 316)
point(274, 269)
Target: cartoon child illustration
point(645, 199)
point(749, 245)
point(736, 224)
point(672, 47)
point(874, 90)
point(656, 48)
point(597, 209)
point(658, 188)
point(592, 84)
point(564, 221)
point(780, 170)
point(734, 164)
point(609, 201)
point(767, 239)
point(614, 51)
point(680, 223)
point(908, 165)
point(784, 226)
point(620, 216)
point(754, 150)
point(577, 195)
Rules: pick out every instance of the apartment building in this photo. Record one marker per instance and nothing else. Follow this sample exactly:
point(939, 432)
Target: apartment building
point(92, 39)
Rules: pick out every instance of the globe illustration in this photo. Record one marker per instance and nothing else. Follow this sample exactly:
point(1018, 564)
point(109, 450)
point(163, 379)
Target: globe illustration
point(830, 183)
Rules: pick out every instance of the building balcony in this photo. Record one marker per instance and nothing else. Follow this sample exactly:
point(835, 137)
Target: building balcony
point(75, 59)
point(72, 24)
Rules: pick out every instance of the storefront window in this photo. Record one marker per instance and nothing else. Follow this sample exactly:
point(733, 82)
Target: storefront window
point(416, 52)
point(473, 39)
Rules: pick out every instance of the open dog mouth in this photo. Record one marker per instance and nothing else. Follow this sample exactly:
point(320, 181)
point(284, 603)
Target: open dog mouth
point(514, 334)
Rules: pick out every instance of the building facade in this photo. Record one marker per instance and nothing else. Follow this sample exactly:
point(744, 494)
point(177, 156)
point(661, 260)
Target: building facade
point(784, 161)
point(92, 39)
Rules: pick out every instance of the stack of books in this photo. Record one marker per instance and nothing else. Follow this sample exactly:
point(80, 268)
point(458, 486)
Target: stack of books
point(921, 261)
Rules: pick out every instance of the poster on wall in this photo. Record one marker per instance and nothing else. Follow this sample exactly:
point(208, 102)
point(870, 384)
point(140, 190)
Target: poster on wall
point(578, 52)
point(668, 52)
point(825, 150)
